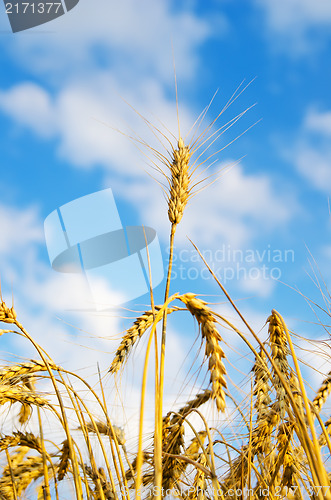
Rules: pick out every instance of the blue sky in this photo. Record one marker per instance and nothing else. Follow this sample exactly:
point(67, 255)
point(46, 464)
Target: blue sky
point(63, 88)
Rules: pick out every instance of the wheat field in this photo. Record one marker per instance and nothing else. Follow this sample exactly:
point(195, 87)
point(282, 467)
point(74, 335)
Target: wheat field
point(280, 443)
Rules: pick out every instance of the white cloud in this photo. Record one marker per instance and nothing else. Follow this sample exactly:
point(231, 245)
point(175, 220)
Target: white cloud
point(284, 14)
point(19, 229)
point(289, 22)
point(129, 36)
point(93, 56)
point(31, 106)
point(315, 165)
point(82, 115)
point(312, 152)
point(318, 121)
point(256, 283)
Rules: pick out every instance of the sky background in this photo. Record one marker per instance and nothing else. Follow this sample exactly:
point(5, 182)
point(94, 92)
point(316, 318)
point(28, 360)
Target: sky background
point(67, 91)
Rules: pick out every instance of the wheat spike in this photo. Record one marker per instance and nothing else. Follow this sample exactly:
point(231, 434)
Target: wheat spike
point(213, 350)
point(327, 425)
point(279, 352)
point(197, 490)
point(261, 386)
point(192, 451)
point(173, 444)
point(24, 414)
point(238, 471)
point(64, 461)
point(103, 428)
point(322, 393)
point(106, 486)
point(132, 335)
point(179, 182)
point(10, 393)
point(288, 463)
point(14, 374)
point(261, 434)
point(199, 400)
point(24, 473)
point(7, 441)
point(19, 438)
point(173, 468)
point(99, 479)
point(7, 315)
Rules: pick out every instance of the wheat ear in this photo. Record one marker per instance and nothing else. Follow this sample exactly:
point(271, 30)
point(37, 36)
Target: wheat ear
point(13, 393)
point(285, 453)
point(7, 315)
point(19, 438)
point(323, 393)
point(196, 402)
point(279, 352)
point(213, 350)
point(104, 428)
point(64, 461)
point(261, 387)
point(179, 182)
point(132, 335)
point(24, 473)
point(14, 374)
point(99, 479)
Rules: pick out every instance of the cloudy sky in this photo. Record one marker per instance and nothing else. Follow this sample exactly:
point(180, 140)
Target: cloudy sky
point(72, 93)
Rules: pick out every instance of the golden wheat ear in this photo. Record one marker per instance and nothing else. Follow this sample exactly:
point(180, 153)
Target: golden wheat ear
point(179, 182)
point(213, 351)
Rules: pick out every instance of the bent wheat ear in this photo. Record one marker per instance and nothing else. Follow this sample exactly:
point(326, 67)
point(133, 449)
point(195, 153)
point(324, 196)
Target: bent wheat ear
point(199, 400)
point(64, 461)
point(213, 351)
point(322, 393)
point(13, 393)
point(100, 481)
point(24, 473)
point(327, 425)
point(24, 414)
point(104, 428)
point(132, 335)
point(14, 374)
point(19, 438)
